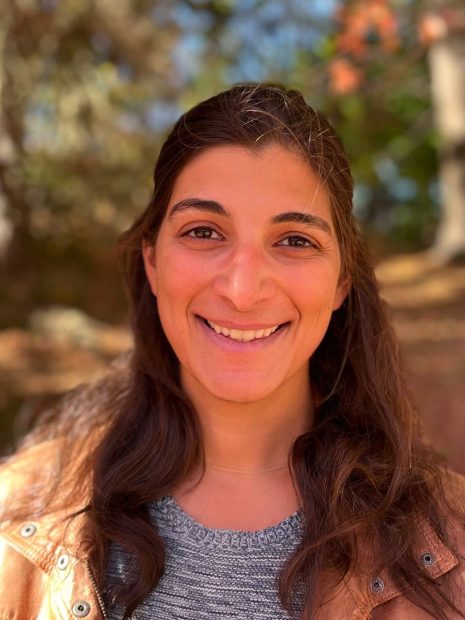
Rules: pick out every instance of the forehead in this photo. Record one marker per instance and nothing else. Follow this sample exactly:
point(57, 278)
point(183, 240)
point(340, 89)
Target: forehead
point(271, 179)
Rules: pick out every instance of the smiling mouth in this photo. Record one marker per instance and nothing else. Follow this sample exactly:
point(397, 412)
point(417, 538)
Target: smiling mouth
point(243, 335)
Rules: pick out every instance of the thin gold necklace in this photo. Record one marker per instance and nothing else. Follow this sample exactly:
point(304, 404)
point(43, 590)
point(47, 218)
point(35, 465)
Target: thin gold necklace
point(245, 471)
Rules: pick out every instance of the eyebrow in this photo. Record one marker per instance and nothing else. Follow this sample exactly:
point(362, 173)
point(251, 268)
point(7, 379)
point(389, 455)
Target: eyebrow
point(211, 206)
point(313, 221)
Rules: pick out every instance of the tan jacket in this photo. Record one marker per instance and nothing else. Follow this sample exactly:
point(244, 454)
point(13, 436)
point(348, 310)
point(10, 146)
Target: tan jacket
point(43, 577)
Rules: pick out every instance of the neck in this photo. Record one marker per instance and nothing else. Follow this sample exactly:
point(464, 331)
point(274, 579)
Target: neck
point(267, 470)
point(252, 437)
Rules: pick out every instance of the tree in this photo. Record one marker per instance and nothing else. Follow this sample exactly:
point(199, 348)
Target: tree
point(374, 31)
point(443, 31)
point(80, 82)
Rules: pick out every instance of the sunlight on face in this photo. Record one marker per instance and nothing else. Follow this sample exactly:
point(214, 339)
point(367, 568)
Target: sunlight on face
point(246, 272)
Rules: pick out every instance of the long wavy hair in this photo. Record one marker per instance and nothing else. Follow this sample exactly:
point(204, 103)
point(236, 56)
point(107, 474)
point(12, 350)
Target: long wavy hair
point(362, 472)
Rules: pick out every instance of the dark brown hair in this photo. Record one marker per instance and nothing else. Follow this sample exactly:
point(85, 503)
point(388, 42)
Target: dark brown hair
point(362, 472)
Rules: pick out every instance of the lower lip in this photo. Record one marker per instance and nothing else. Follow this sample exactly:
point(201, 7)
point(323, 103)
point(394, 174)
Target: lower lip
point(235, 345)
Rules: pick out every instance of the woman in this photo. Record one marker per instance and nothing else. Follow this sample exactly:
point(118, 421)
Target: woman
point(261, 458)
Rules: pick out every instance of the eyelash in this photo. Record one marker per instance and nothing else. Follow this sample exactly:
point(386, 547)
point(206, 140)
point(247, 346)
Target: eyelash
point(307, 243)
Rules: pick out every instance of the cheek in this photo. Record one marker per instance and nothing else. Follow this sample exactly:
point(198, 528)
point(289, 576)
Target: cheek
point(171, 267)
point(179, 278)
point(316, 291)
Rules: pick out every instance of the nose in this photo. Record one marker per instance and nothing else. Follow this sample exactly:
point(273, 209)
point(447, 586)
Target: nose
point(246, 279)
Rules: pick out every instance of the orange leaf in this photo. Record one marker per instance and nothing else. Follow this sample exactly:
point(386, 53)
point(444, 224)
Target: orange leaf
point(344, 77)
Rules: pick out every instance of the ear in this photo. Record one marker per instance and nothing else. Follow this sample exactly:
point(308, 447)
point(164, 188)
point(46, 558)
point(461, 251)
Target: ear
point(148, 255)
point(342, 291)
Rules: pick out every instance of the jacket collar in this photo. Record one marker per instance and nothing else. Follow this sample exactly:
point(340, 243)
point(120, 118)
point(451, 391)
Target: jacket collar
point(46, 540)
point(369, 589)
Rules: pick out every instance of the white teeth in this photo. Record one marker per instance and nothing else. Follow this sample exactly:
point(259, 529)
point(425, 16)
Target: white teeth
point(243, 335)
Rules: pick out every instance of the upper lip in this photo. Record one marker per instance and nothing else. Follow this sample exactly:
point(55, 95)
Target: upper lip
point(241, 326)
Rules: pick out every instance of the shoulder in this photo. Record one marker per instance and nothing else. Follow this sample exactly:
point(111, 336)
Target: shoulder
point(26, 469)
point(441, 558)
point(86, 406)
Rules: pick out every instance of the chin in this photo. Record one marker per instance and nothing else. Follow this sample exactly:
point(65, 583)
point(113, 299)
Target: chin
point(241, 399)
point(244, 391)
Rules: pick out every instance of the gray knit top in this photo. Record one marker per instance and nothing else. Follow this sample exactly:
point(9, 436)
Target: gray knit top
point(210, 574)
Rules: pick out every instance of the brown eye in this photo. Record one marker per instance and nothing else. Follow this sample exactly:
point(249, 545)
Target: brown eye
point(202, 232)
point(296, 241)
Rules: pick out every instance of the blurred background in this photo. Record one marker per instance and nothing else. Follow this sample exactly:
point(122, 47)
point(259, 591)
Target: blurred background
point(88, 90)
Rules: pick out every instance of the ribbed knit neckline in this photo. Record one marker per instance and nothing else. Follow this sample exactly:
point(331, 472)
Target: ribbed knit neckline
point(170, 517)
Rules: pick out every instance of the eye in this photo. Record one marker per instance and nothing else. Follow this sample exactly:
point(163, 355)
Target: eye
point(296, 241)
point(202, 232)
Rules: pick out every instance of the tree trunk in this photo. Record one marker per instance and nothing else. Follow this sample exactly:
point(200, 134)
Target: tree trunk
point(447, 65)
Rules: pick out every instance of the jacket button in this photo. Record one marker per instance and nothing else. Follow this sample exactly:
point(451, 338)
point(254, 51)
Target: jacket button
point(63, 561)
point(377, 585)
point(28, 530)
point(428, 559)
point(81, 609)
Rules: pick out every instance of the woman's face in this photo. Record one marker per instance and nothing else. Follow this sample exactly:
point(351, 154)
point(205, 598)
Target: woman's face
point(246, 270)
